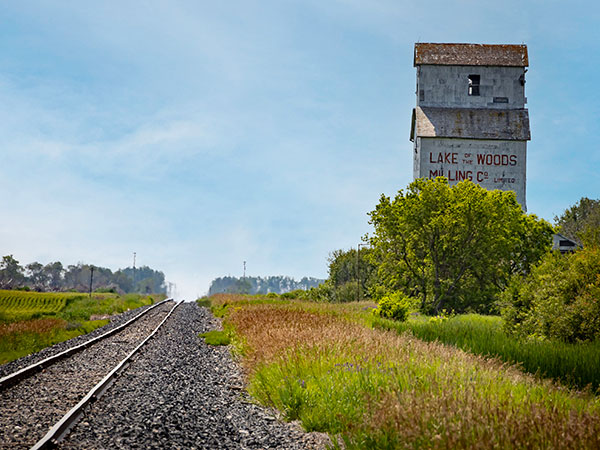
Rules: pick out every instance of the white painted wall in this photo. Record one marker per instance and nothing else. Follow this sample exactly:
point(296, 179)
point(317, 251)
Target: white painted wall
point(493, 164)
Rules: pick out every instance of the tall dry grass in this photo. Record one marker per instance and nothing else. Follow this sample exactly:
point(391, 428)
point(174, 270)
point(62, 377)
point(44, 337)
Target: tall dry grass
point(379, 389)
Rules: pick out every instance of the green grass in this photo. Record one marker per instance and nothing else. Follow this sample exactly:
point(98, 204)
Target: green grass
point(23, 338)
point(205, 302)
point(216, 337)
point(378, 389)
point(23, 305)
point(576, 365)
point(31, 321)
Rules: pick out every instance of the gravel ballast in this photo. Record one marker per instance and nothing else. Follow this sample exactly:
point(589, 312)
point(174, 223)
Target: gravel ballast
point(181, 393)
point(25, 361)
point(30, 408)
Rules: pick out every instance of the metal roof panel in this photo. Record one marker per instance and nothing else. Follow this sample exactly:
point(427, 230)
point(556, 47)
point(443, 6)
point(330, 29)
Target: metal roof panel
point(503, 124)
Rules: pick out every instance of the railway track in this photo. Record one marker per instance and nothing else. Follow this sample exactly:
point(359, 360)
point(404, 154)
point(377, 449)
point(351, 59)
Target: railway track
point(40, 403)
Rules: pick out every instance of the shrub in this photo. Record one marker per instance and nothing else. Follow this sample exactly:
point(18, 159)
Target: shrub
point(347, 292)
point(394, 306)
point(560, 299)
point(297, 293)
point(322, 293)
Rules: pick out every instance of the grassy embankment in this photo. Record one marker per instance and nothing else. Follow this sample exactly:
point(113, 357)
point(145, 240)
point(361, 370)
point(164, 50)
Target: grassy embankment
point(576, 365)
point(374, 388)
point(31, 321)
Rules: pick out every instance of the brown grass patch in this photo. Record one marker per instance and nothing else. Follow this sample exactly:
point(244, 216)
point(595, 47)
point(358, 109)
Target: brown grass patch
point(39, 326)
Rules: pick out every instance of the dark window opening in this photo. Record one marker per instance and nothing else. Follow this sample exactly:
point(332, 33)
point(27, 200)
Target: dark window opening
point(500, 99)
point(474, 84)
point(421, 95)
point(566, 243)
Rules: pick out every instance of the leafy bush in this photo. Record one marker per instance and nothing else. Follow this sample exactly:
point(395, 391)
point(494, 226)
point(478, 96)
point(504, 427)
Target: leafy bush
point(322, 293)
point(394, 306)
point(296, 293)
point(560, 299)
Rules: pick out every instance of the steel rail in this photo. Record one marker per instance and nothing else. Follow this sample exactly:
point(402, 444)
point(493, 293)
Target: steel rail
point(15, 377)
point(64, 425)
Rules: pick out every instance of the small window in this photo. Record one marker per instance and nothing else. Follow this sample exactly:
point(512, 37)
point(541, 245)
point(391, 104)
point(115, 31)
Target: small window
point(500, 99)
point(474, 84)
point(421, 95)
point(564, 243)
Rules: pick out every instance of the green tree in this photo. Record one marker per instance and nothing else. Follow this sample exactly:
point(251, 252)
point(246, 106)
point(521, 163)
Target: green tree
point(36, 276)
point(558, 300)
point(581, 222)
point(454, 247)
point(345, 268)
point(54, 272)
point(11, 273)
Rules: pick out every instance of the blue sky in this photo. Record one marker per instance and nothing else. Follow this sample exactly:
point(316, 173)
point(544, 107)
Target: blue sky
point(203, 134)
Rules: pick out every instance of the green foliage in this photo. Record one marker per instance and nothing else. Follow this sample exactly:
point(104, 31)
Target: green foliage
point(581, 222)
point(346, 292)
point(216, 337)
point(349, 266)
point(394, 306)
point(456, 246)
point(11, 273)
point(296, 293)
point(324, 292)
point(560, 299)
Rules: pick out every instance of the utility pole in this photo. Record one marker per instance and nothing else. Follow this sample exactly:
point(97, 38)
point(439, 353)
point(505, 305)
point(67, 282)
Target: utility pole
point(244, 270)
point(91, 279)
point(133, 287)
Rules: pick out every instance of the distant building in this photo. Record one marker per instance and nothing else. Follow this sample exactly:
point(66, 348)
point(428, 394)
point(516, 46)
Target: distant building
point(564, 244)
point(470, 122)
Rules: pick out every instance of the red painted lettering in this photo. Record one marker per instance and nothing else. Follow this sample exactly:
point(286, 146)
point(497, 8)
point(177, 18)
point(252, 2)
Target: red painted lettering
point(497, 160)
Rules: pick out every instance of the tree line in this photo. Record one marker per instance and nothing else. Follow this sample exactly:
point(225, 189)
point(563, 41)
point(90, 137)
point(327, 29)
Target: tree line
point(54, 277)
point(261, 285)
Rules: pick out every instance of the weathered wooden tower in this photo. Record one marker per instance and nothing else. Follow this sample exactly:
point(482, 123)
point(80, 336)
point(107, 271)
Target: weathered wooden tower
point(470, 122)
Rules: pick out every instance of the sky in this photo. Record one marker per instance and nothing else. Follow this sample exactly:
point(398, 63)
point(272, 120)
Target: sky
point(200, 135)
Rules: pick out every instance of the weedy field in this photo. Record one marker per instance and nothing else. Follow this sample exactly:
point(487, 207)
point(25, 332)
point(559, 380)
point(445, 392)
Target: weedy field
point(31, 321)
point(576, 365)
point(327, 366)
